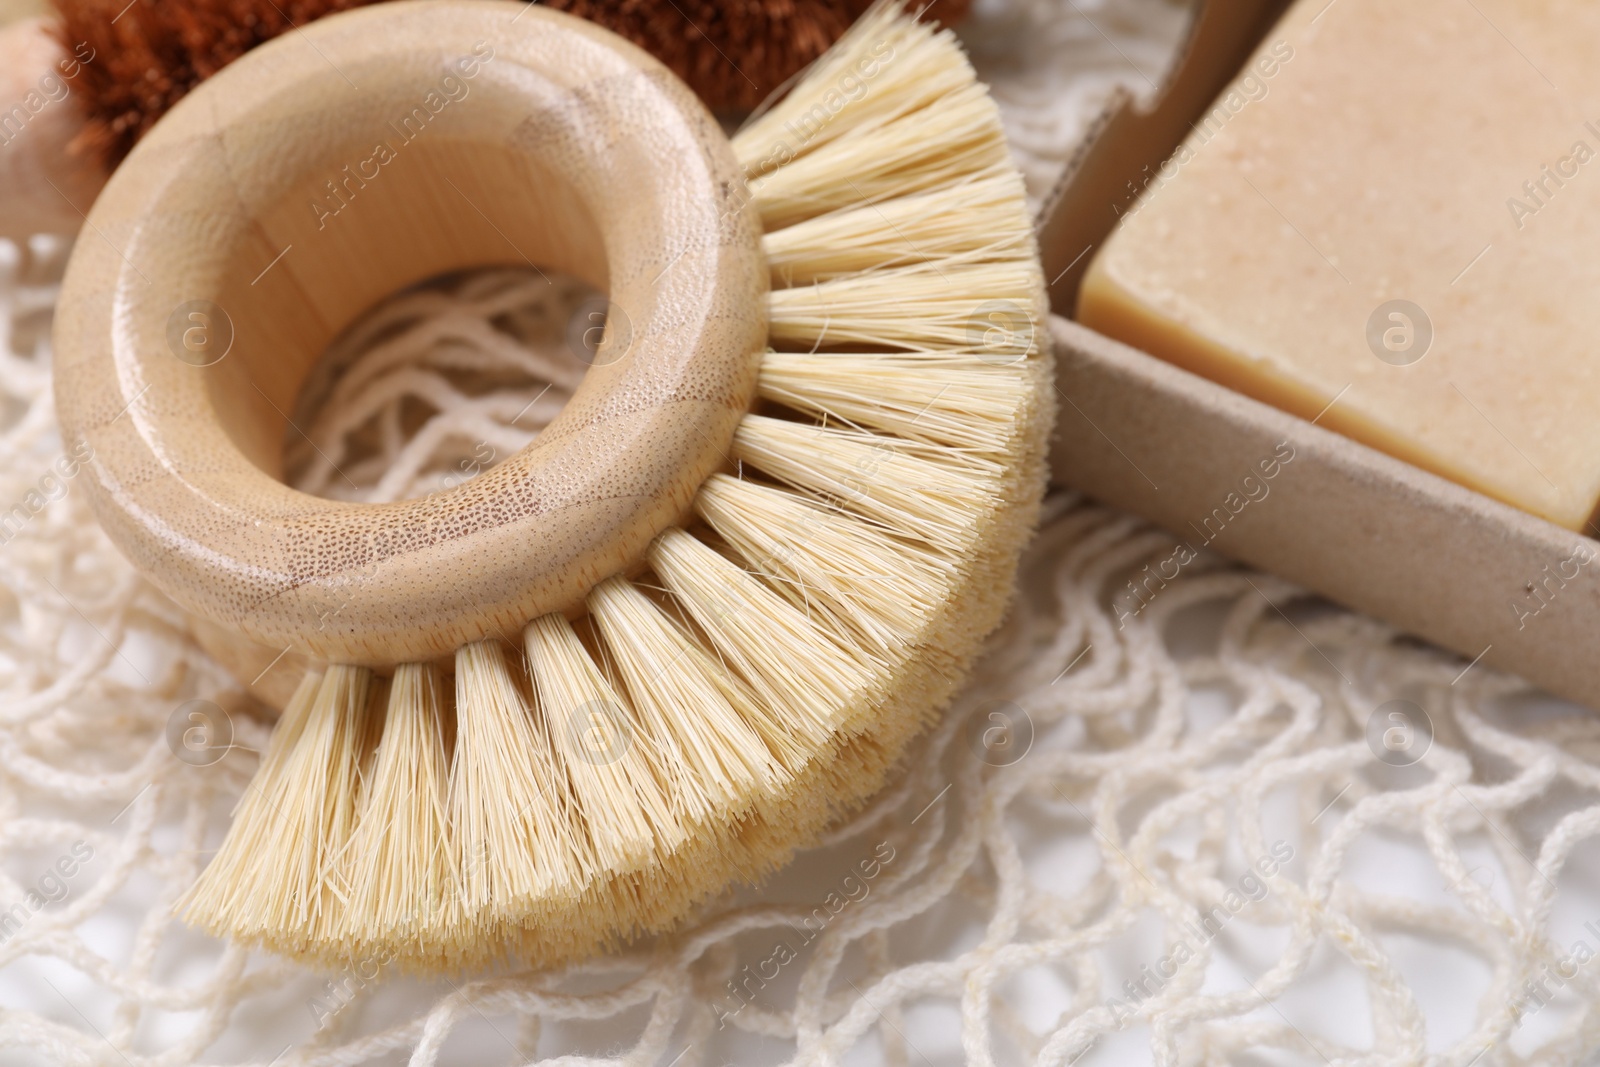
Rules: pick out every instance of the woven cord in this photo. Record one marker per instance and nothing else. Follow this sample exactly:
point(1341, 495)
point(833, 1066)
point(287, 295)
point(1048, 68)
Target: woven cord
point(1106, 798)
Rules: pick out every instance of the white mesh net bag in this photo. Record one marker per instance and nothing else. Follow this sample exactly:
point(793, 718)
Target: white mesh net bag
point(1234, 825)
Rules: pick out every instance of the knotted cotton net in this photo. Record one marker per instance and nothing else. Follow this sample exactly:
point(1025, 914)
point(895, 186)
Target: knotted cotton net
point(1218, 822)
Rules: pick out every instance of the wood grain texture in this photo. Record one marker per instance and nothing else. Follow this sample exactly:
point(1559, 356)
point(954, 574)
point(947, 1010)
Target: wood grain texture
point(317, 175)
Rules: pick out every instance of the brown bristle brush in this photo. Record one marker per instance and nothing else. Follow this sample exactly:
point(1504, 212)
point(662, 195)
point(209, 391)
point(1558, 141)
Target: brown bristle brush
point(124, 64)
point(694, 622)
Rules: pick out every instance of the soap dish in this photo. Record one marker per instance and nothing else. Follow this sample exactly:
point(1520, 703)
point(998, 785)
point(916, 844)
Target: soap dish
point(1223, 472)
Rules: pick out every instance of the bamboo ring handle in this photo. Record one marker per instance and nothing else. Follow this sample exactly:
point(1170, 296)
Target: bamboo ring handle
point(324, 171)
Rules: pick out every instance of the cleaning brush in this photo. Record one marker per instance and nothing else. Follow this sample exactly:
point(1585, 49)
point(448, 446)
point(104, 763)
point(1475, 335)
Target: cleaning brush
point(125, 63)
point(542, 744)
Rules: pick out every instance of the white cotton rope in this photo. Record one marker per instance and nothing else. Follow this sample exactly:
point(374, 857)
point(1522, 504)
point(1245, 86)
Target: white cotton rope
point(1183, 828)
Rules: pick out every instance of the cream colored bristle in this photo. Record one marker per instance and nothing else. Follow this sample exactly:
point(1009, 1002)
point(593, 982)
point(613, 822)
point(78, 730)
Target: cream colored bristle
point(325, 784)
point(915, 489)
point(952, 399)
point(401, 865)
point(609, 764)
point(224, 888)
point(715, 754)
point(313, 801)
point(976, 217)
point(939, 145)
point(791, 662)
point(828, 597)
point(986, 308)
point(515, 833)
point(879, 588)
point(885, 67)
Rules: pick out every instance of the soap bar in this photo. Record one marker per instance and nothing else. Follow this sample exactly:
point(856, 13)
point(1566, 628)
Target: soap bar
point(1390, 224)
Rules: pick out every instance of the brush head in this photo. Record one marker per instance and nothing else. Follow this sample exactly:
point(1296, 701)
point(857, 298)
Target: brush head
point(150, 54)
point(737, 53)
point(845, 467)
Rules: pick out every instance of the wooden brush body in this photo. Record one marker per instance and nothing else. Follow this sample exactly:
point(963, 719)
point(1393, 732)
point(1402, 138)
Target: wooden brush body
point(696, 621)
point(259, 222)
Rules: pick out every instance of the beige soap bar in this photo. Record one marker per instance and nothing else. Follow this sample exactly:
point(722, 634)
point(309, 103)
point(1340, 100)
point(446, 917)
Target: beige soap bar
point(1391, 224)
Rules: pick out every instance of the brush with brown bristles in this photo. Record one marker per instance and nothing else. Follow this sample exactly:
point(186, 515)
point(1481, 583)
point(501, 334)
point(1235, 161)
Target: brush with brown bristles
point(90, 81)
point(700, 689)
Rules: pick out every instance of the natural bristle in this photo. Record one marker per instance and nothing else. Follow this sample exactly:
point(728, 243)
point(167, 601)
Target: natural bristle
point(886, 67)
point(608, 763)
point(962, 131)
point(219, 900)
point(974, 217)
point(953, 399)
point(880, 589)
point(287, 876)
point(983, 308)
point(150, 53)
point(401, 869)
point(814, 678)
point(694, 38)
point(757, 674)
point(918, 490)
point(714, 757)
point(516, 841)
